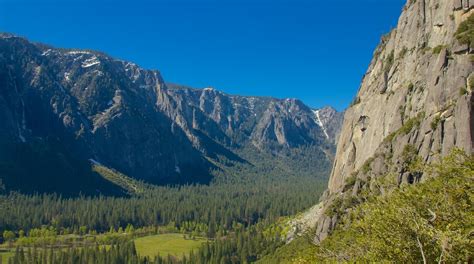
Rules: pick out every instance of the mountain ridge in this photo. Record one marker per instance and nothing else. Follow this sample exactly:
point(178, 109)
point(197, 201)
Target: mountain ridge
point(124, 116)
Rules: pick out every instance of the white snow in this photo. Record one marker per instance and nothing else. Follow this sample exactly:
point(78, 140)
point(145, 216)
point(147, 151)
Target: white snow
point(46, 52)
point(130, 64)
point(90, 62)
point(66, 76)
point(76, 52)
point(318, 121)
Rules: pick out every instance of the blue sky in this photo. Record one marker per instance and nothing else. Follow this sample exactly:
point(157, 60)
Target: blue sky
point(313, 50)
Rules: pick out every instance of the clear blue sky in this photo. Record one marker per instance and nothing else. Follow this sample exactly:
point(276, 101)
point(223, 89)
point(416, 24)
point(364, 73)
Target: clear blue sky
point(314, 50)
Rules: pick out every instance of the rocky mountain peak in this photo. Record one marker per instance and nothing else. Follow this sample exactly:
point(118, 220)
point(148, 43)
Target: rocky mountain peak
point(125, 117)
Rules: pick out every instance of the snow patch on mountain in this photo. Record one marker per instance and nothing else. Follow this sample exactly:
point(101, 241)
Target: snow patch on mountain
point(320, 124)
point(46, 53)
point(90, 62)
point(78, 52)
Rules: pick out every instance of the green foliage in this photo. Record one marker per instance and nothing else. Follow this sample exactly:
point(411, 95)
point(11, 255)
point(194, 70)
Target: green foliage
point(411, 123)
point(350, 181)
point(465, 32)
point(8, 235)
point(366, 167)
point(245, 194)
point(431, 219)
point(127, 183)
point(438, 49)
point(406, 128)
point(388, 62)
point(462, 91)
point(410, 87)
point(167, 244)
point(335, 207)
point(435, 122)
point(234, 210)
point(120, 253)
point(403, 52)
point(411, 161)
point(241, 246)
point(300, 251)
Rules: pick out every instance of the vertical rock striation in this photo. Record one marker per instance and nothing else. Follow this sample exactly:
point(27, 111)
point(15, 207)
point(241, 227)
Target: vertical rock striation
point(415, 103)
point(59, 108)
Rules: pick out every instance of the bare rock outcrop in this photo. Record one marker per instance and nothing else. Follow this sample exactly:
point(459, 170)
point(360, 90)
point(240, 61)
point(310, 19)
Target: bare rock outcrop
point(415, 103)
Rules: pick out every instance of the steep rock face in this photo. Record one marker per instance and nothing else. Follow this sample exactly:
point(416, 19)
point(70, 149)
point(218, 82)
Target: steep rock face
point(73, 106)
point(288, 123)
point(97, 107)
point(414, 105)
point(330, 120)
point(266, 123)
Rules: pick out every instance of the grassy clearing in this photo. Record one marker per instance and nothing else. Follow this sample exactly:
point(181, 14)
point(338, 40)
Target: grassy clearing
point(166, 244)
point(5, 254)
point(129, 184)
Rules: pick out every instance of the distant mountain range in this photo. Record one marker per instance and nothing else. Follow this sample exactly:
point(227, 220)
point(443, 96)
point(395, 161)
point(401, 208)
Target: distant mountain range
point(63, 109)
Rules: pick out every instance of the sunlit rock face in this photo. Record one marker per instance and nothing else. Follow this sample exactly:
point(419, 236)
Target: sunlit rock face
point(417, 92)
point(114, 112)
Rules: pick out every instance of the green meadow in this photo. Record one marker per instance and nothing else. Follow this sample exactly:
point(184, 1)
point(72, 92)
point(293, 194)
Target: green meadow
point(167, 244)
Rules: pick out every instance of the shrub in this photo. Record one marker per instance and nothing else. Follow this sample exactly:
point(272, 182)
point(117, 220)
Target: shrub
point(389, 60)
point(366, 167)
point(438, 49)
point(411, 123)
point(335, 207)
point(428, 222)
point(403, 52)
point(406, 128)
point(351, 180)
point(465, 32)
point(435, 122)
point(462, 91)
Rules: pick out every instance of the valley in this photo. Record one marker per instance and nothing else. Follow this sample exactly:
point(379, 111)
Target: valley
point(104, 161)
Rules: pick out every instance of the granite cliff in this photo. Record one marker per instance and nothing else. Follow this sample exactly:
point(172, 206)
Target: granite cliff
point(414, 105)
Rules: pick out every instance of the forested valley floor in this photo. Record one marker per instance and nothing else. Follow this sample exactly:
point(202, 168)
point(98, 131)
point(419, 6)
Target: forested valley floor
point(239, 218)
